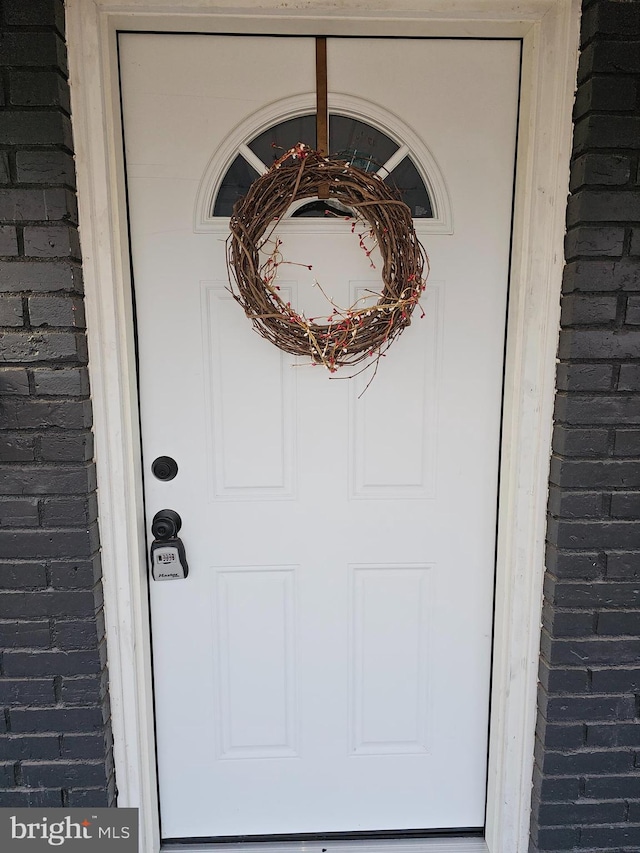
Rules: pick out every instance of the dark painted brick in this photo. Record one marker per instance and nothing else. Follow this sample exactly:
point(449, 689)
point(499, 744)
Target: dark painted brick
point(75, 574)
point(556, 838)
point(41, 747)
point(10, 311)
point(594, 594)
point(619, 680)
point(555, 680)
point(14, 380)
point(48, 167)
point(7, 774)
point(583, 409)
point(612, 57)
point(71, 512)
point(562, 735)
point(575, 504)
point(582, 310)
point(38, 89)
point(5, 177)
point(22, 575)
point(632, 316)
point(588, 762)
point(61, 381)
point(603, 206)
point(585, 240)
point(589, 708)
point(591, 275)
point(71, 634)
point(67, 603)
point(88, 798)
point(571, 533)
point(43, 414)
point(56, 720)
point(607, 131)
point(582, 813)
point(51, 241)
point(51, 663)
point(46, 543)
point(14, 691)
point(619, 623)
point(612, 787)
point(63, 774)
point(552, 788)
point(21, 204)
point(40, 277)
point(627, 442)
point(625, 505)
point(82, 746)
point(35, 127)
point(32, 798)
point(604, 94)
point(8, 240)
point(42, 346)
point(566, 564)
point(578, 652)
point(567, 623)
point(16, 448)
point(588, 473)
point(56, 311)
point(25, 634)
point(67, 448)
point(614, 735)
point(614, 836)
point(584, 377)
point(32, 49)
point(35, 12)
point(19, 513)
point(611, 17)
point(571, 441)
point(81, 691)
point(629, 377)
point(623, 565)
point(43, 481)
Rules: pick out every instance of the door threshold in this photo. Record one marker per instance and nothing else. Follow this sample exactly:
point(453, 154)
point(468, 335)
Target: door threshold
point(397, 845)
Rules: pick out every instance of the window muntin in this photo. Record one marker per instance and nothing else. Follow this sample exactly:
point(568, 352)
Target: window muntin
point(356, 141)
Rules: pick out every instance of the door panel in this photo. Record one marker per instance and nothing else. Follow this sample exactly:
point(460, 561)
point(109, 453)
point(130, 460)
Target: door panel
point(325, 666)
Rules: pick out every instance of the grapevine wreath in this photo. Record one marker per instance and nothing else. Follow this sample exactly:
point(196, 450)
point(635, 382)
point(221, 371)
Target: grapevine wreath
point(379, 218)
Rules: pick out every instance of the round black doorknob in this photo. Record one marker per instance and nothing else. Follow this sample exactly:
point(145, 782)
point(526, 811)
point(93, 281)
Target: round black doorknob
point(164, 468)
point(166, 524)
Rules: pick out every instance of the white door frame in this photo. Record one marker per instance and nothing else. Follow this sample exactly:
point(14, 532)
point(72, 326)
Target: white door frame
point(549, 30)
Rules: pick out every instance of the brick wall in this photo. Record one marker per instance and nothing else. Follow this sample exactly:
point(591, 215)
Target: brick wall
point(587, 774)
point(54, 718)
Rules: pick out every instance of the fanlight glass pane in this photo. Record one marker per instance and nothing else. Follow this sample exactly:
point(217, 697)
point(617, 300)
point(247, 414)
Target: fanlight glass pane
point(354, 140)
point(235, 184)
point(274, 142)
point(360, 144)
point(406, 178)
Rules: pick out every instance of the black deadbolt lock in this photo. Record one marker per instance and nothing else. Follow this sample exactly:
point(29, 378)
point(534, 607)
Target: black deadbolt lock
point(164, 468)
point(168, 558)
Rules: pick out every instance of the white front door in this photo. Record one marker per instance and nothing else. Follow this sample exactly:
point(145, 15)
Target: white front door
point(325, 666)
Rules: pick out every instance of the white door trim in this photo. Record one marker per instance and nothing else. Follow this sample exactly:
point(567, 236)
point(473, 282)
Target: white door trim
point(549, 29)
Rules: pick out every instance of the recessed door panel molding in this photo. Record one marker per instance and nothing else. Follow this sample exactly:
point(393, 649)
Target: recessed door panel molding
point(255, 674)
point(393, 424)
point(391, 611)
point(252, 456)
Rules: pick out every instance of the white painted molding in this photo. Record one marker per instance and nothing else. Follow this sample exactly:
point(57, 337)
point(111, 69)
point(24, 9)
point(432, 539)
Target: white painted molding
point(549, 29)
point(426, 845)
point(347, 105)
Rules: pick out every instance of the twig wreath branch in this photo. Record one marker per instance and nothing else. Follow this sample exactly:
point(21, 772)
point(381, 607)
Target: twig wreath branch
point(350, 335)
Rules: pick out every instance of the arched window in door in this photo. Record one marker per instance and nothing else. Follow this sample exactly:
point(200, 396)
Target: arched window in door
point(349, 138)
